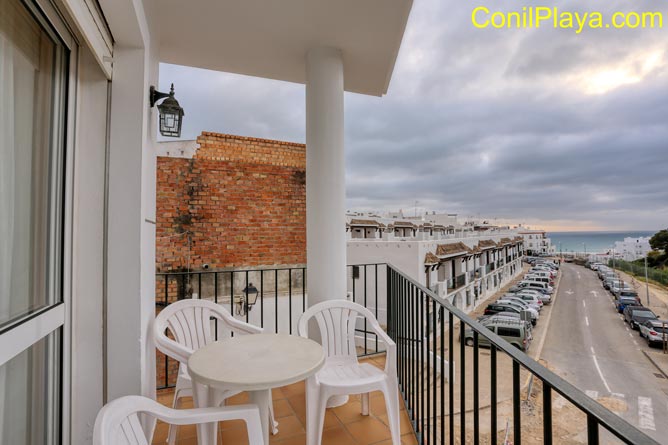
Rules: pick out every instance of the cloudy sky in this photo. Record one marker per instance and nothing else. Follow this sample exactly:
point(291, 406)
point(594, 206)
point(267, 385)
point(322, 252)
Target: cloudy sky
point(545, 127)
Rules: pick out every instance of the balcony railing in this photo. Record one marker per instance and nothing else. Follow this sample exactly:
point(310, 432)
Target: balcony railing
point(281, 299)
point(460, 280)
point(424, 328)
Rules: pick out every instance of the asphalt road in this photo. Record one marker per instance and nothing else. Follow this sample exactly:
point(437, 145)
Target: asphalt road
point(590, 346)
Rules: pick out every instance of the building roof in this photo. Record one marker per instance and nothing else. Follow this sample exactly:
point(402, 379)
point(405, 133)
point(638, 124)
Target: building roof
point(404, 224)
point(452, 249)
point(364, 222)
point(271, 39)
point(486, 244)
point(505, 241)
point(430, 258)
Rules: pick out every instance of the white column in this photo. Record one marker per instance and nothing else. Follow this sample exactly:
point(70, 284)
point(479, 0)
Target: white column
point(325, 176)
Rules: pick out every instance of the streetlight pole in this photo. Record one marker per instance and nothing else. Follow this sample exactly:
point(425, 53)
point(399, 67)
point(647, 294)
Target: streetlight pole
point(646, 281)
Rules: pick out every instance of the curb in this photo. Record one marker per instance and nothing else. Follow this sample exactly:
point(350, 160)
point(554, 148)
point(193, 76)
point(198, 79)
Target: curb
point(656, 365)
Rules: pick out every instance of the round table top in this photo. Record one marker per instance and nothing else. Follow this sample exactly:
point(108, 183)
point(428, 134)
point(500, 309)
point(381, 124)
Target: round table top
point(256, 362)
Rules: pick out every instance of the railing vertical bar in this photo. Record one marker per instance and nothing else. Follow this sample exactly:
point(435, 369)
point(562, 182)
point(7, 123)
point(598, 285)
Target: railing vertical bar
point(408, 354)
point(290, 300)
point(547, 414)
point(476, 390)
point(276, 300)
point(199, 284)
point(434, 384)
point(451, 376)
point(592, 430)
point(245, 303)
point(517, 421)
point(462, 382)
point(262, 298)
point(426, 365)
point(352, 271)
point(420, 344)
point(375, 311)
point(365, 305)
point(441, 316)
point(215, 300)
point(492, 394)
point(231, 300)
point(415, 353)
point(303, 289)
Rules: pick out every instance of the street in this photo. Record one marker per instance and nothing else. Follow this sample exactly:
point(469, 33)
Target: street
point(590, 346)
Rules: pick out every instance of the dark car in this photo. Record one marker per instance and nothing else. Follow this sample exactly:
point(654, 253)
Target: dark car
point(623, 302)
point(637, 315)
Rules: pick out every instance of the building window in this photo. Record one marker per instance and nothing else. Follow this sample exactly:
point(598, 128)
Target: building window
point(33, 85)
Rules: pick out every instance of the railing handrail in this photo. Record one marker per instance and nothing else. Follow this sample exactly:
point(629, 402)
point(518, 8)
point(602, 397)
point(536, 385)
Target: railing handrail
point(230, 269)
point(612, 422)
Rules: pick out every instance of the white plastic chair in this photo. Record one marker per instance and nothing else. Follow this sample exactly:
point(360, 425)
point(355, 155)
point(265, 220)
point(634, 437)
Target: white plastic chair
point(342, 373)
point(189, 321)
point(118, 423)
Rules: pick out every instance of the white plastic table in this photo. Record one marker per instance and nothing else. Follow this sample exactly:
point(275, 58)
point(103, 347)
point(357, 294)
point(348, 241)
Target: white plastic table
point(254, 363)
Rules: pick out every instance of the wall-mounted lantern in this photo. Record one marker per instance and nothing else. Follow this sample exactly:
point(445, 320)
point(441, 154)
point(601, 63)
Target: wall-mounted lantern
point(248, 299)
point(171, 113)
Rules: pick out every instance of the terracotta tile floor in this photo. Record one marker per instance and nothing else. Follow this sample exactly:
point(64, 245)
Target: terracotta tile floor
point(344, 425)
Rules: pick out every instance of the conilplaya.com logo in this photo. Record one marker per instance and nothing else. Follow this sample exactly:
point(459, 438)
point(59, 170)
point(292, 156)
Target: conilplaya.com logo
point(543, 16)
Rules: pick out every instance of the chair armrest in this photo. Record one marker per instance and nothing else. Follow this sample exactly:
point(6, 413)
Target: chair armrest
point(203, 415)
point(391, 353)
point(173, 349)
point(238, 326)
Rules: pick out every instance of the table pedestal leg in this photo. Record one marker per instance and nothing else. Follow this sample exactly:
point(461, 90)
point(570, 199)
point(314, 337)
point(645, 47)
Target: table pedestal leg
point(262, 399)
point(207, 433)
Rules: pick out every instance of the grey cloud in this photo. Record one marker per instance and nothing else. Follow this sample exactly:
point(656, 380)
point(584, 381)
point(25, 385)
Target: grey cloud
point(483, 122)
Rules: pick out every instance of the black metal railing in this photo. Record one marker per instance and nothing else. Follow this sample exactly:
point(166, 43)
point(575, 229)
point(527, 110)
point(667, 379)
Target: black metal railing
point(271, 298)
point(443, 411)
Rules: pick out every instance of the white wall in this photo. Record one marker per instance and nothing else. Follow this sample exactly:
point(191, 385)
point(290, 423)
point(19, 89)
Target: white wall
point(88, 248)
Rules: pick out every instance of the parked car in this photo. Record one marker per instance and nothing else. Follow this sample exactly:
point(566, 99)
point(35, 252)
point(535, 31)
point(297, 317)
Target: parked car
point(622, 303)
point(619, 287)
point(514, 332)
point(522, 305)
point(609, 280)
point(635, 315)
point(529, 298)
point(495, 308)
point(627, 293)
point(532, 277)
point(530, 284)
point(530, 303)
point(652, 331)
point(510, 315)
point(544, 298)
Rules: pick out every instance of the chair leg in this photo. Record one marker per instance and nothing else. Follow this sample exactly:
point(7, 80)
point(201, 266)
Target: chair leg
point(273, 425)
point(171, 432)
point(316, 406)
point(365, 404)
point(391, 395)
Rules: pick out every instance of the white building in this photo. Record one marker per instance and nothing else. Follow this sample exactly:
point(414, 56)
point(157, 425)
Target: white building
point(464, 267)
point(537, 242)
point(632, 248)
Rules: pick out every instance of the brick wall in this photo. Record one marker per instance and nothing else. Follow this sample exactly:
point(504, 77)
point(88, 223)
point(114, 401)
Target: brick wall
point(238, 202)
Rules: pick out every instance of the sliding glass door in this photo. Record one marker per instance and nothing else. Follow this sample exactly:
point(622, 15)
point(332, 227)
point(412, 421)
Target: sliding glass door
point(34, 67)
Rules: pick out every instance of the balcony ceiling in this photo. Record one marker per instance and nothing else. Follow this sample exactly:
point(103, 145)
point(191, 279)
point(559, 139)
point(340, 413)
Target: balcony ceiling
point(270, 38)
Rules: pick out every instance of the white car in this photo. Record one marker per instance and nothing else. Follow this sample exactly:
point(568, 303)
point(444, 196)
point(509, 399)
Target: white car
point(530, 302)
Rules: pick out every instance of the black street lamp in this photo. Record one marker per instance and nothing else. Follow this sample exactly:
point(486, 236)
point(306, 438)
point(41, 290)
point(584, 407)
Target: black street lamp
point(171, 113)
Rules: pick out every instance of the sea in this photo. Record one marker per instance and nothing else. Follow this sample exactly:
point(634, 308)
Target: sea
point(595, 242)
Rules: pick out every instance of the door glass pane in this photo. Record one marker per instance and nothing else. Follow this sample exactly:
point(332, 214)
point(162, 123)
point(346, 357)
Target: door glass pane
point(29, 394)
point(32, 67)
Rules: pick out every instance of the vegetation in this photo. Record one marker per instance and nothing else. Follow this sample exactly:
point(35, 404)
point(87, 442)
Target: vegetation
point(658, 257)
point(659, 276)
